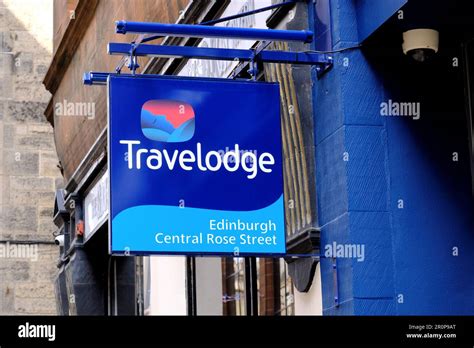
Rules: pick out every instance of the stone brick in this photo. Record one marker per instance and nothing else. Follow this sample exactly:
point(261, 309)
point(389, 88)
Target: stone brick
point(6, 43)
point(31, 183)
point(27, 235)
point(6, 67)
point(21, 129)
point(46, 228)
point(14, 270)
point(36, 198)
point(19, 218)
point(6, 87)
point(44, 270)
point(21, 162)
point(24, 63)
point(26, 111)
point(41, 69)
point(45, 212)
point(40, 129)
point(36, 141)
point(27, 90)
point(8, 135)
point(35, 306)
point(3, 17)
point(34, 290)
point(7, 299)
point(49, 164)
point(47, 255)
point(5, 189)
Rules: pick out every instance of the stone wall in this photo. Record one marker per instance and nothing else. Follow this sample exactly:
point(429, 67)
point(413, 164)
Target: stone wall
point(28, 164)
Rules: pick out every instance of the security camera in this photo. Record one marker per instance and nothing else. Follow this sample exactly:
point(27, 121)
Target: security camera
point(420, 44)
point(59, 240)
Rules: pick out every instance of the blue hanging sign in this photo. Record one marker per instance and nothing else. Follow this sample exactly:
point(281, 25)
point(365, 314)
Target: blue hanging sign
point(195, 166)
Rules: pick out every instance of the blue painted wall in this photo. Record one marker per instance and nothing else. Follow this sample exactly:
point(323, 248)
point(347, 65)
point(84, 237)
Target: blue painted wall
point(372, 14)
point(407, 251)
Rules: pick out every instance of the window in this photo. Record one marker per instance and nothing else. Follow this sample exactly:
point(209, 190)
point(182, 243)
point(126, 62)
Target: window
point(233, 286)
point(260, 286)
point(275, 287)
point(299, 166)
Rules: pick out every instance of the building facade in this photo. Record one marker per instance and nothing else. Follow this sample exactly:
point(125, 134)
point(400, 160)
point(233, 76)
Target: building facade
point(29, 170)
point(377, 164)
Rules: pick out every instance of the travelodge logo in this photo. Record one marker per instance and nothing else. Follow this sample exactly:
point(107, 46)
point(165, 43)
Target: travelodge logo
point(172, 121)
point(168, 121)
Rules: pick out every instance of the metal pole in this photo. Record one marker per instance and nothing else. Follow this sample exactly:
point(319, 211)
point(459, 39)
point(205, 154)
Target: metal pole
point(95, 78)
point(221, 54)
point(249, 13)
point(229, 18)
point(187, 30)
point(251, 292)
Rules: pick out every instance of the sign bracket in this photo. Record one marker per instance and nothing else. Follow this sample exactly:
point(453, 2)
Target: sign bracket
point(133, 59)
point(322, 60)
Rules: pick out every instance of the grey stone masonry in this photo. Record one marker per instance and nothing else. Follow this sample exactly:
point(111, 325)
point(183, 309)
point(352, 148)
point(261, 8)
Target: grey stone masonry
point(28, 164)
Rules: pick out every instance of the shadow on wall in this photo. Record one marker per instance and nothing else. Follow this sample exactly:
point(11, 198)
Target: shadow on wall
point(429, 170)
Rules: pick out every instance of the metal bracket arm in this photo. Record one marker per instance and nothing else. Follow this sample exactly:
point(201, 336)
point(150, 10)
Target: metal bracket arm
point(95, 78)
point(283, 57)
point(191, 30)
